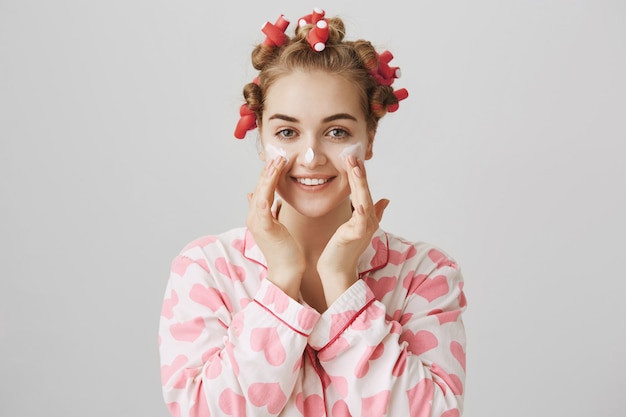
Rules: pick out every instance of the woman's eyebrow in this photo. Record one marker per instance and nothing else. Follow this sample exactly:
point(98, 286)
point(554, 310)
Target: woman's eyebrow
point(339, 116)
point(283, 117)
point(330, 118)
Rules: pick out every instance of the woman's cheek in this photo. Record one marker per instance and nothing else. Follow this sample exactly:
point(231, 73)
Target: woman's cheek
point(355, 149)
point(272, 152)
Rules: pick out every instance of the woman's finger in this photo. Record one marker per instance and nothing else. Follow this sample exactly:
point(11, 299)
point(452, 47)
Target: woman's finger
point(266, 186)
point(358, 185)
point(380, 207)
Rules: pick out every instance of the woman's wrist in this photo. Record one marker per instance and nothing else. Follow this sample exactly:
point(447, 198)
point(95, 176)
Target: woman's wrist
point(287, 279)
point(336, 283)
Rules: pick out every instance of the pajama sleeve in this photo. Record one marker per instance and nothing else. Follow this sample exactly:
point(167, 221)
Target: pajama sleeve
point(408, 362)
point(225, 355)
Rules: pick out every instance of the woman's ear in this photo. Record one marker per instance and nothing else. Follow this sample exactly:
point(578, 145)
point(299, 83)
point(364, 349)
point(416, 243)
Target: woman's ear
point(259, 146)
point(369, 152)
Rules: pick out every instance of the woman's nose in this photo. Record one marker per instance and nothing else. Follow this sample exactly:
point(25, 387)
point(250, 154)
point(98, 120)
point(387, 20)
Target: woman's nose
point(312, 156)
point(309, 155)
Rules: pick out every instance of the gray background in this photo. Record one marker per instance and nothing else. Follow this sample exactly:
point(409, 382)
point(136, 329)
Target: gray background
point(116, 149)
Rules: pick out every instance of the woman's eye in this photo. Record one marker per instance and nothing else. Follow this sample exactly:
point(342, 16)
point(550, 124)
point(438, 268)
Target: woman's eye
point(285, 134)
point(338, 133)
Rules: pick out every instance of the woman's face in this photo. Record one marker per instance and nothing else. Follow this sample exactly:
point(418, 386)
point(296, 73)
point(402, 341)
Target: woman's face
point(314, 119)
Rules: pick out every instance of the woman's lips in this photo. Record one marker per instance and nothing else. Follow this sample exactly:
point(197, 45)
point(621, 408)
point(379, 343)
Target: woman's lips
point(312, 182)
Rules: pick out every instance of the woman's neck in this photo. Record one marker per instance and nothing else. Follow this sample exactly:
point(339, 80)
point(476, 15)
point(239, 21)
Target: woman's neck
point(313, 233)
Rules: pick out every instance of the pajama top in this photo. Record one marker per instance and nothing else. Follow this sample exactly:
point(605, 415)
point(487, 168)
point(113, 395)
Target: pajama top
point(234, 344)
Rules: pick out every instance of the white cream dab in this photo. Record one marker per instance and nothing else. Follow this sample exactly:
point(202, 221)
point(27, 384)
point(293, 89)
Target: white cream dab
point(355, 149)
point(309, 155)
point(272, 152)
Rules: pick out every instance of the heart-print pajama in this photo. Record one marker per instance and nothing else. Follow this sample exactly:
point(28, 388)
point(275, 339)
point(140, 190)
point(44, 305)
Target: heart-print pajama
point(234, 344)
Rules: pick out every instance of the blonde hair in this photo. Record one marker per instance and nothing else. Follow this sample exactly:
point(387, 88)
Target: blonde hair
point(352, 60)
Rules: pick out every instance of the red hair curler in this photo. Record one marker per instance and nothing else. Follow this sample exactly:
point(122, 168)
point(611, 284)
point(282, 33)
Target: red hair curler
point(313, 18)
point(385, 74)
point(275, 33)
point(400, 94)
point(318, 35)
point(246, 122)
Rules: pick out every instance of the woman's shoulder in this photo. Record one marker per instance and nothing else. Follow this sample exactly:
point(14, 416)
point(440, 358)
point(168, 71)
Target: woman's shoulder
point(421, 252)
point(224, 242)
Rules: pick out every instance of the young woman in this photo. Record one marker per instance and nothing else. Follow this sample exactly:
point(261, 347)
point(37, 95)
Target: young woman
point(312, 309)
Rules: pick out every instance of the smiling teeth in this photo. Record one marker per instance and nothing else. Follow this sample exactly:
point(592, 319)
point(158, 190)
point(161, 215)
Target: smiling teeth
point(312, 181)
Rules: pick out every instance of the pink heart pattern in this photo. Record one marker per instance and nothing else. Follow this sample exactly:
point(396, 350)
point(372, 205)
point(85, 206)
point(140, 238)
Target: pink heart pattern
point(167, 309)
point(232, 404)
point(404, 325)
point(381, 254)
point(274, 296)
point(200, 243)
point(445, 316)
point(266, 340)
point(398, 258)
point(382, 286)
point(412, 282)
point(174, 409)
point(168, 371)
point(188, 331)
point(419, 404)
point(313, 405)
point(440, 259)
point(420, 341)
point(180, 265)
point(371, 353)
point(340, 409)
point(331, 351)
point(433, 288)
point(458, 352)
point(452, 380)
point(214, 368)
point(267, 394)
point(375, 405)
point(364, 320)
point(234, 272)
point(210, 297)
point(239, 245)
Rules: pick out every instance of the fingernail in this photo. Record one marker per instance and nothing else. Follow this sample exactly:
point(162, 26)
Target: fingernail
point(358, 172)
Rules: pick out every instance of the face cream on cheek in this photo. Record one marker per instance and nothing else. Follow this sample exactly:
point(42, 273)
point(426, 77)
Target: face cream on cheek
point(272, 152)
point(356, 149)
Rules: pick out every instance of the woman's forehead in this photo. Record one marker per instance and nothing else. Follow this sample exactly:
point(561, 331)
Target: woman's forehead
point(315, 92)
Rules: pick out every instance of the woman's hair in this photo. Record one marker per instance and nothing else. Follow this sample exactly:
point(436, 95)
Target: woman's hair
point(356, 61)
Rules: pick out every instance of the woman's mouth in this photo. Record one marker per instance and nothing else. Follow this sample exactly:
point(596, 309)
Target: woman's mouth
point(312, 181)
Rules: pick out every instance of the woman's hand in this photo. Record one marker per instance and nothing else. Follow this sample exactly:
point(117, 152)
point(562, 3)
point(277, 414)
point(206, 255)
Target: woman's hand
point(337, 264)
point(285, 260)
